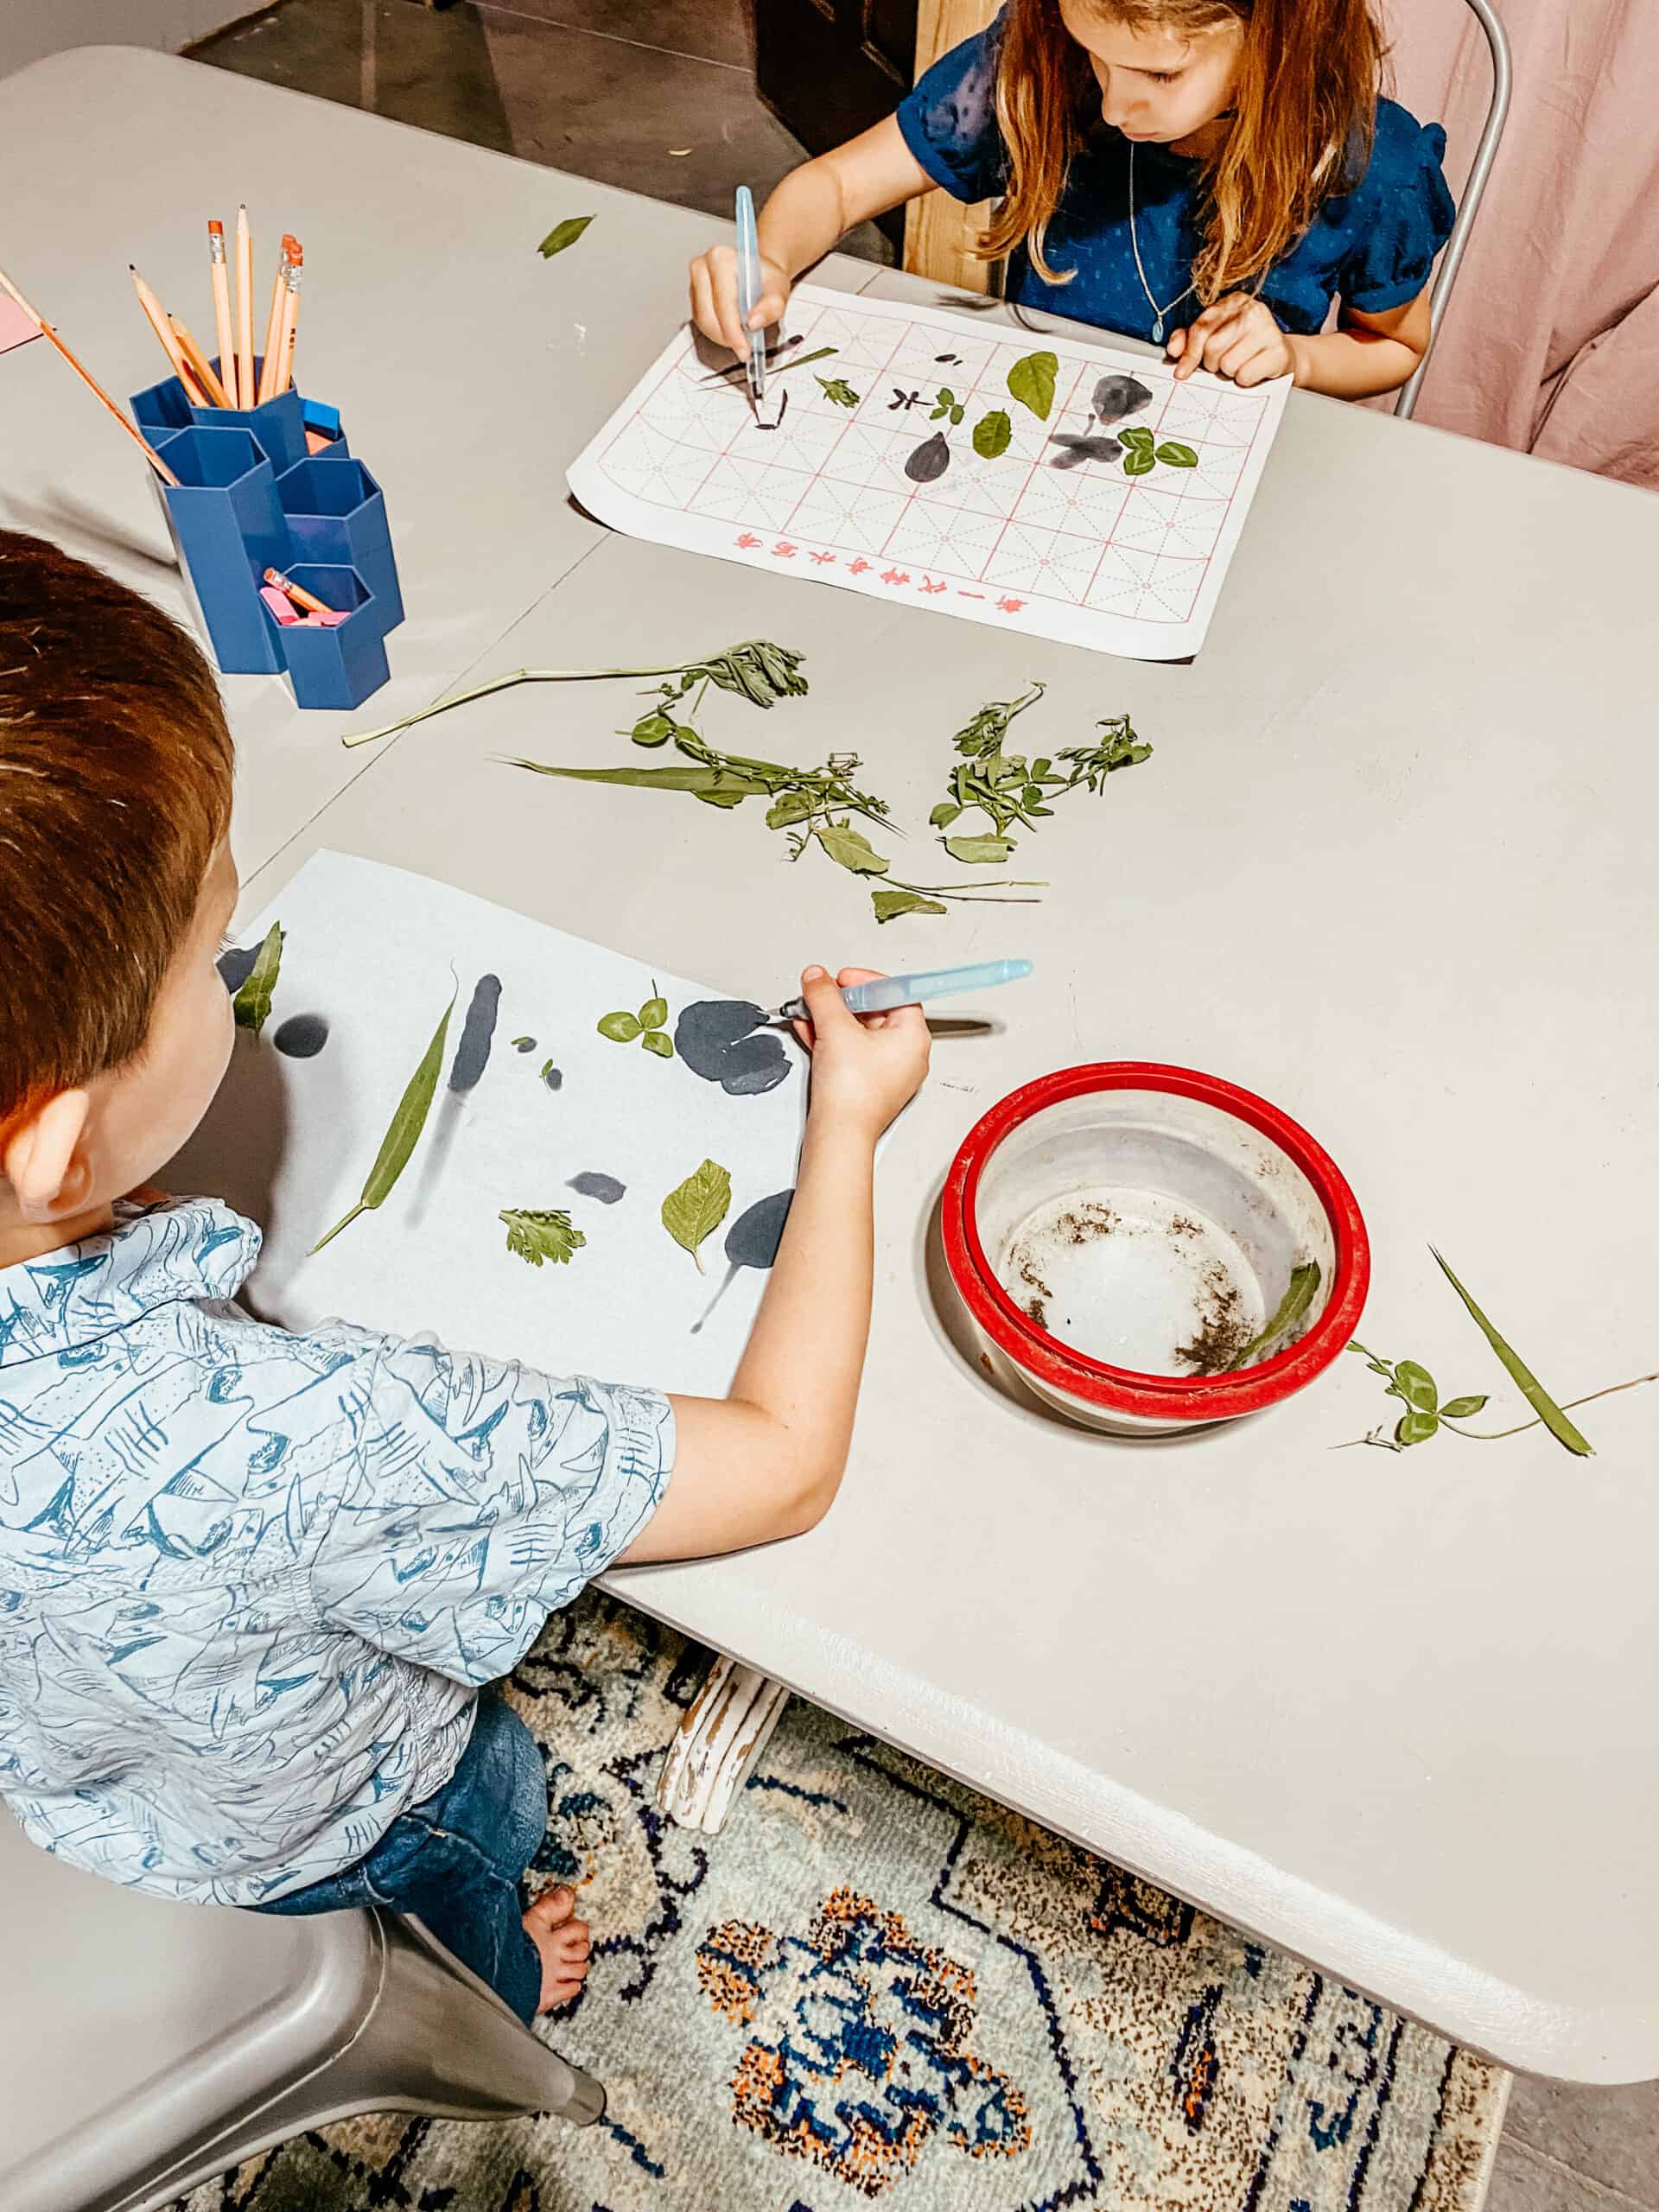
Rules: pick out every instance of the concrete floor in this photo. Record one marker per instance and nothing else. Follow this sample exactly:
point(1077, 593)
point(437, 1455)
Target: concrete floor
point(660, 95)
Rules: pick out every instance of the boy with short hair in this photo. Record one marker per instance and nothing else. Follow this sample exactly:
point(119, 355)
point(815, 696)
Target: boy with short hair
point(251, 1583)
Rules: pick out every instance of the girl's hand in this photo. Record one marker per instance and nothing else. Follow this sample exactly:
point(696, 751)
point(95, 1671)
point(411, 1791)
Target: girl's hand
point(865, 1066)
point(1238, 338)
point(714, 298)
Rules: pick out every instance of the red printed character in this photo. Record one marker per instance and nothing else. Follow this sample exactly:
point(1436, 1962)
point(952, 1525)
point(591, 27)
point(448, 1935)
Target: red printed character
point(748, 541)
point(928, 585)
point(786, 550)
point(1010, 606)
point(895, 575)
point(822, 557)
point(857, 568)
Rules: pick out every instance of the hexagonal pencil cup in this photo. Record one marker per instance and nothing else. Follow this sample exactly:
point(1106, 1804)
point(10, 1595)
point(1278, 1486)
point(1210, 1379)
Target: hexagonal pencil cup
point(279, 425)
point(339, 665)
point(226, 525)
point(337, 515)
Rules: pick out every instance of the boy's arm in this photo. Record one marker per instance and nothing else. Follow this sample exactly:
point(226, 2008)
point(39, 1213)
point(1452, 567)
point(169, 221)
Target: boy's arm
point(814, 207)
point(766, 1461)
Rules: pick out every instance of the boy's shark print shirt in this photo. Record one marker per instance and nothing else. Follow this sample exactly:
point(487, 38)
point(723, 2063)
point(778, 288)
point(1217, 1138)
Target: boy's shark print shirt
point(249, 1581)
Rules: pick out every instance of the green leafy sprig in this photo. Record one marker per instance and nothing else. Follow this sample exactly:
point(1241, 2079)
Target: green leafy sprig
point(537, 1234)
point(1011, 791)
point(1142, 453)
point(649, 1026)
point(756, 670)
point(946, 403)
point(252, 1004)
point(839, 389)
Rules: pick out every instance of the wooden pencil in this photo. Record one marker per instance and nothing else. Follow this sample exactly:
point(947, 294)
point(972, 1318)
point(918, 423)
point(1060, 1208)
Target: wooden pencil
point(90, 381)
point(221, 276)
point(290, 317)
point(157, 320)
point(202, 366)
point(299, 595)
point(246, 395)
point(273, 326)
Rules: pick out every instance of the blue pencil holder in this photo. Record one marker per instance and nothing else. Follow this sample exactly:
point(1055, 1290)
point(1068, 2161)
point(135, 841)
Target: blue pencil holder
point(251, 497)
point(279, 425)
point(336, 513)
point(227, 527)
point(337, 667)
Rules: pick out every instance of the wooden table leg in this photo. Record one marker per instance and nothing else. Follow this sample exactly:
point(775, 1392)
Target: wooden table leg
point(730, 1725)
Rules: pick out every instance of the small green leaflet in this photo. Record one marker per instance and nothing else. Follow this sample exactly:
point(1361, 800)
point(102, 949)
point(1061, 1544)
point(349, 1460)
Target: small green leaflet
point(1304, 1282)
point(979, 852)
point(405, 1133)
point(1173, 454)
point(839, 389)
point(1521, 1375)
point(251, 1005)
point(1136, 434)
point(647, 1026)
point(889, 905)
point(947, 404)
point(651, 729)
point(1139, 461)
point(852, 849)
point(537, 1235)
point(1415, 1388)
point(696, 1207)
point(992, 434)
point(1030, 380)
point(563, 234)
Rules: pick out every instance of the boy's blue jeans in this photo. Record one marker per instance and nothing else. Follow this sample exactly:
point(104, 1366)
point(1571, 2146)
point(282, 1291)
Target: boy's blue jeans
point(454, 1860)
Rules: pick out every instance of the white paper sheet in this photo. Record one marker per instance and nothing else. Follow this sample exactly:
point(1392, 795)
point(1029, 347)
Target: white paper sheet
point(1085, 554)
point(375, 952)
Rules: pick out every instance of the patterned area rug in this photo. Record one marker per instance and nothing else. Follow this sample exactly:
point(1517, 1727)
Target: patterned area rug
point(876, 1987)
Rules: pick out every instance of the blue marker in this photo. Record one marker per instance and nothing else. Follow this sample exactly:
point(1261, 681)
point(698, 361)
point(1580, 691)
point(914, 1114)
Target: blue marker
point(889, 991)
point(749, 288)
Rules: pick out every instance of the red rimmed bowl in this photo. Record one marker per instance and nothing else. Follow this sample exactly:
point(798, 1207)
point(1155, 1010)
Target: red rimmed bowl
point(1120, 1235)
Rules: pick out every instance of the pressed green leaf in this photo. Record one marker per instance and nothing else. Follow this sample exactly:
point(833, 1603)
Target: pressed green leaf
point(787, 808)
point(405, 1133)
point(536, 1235)
point(723, 795)
point(651, 729)
point(1137, 438)
point(1521, 1375)
point(563, 234)
point(1414, 1427)
point(889, 905)
point(1139, 461)
point(654, 1013)
point(1031, 382)
point(696, 1208)
point(1174, 455)
point(1299, 1296)
point(1463, 1408)
point(850, 849)
point(547, 1069)
point(839, 389)
point(620, 1028)
point(523, 1044)
point(978, 852)
point(697, 777)
point(251, 1005)
point(944, 814)
point(658, 1041)
point(1416, 1386)
point(992, 434)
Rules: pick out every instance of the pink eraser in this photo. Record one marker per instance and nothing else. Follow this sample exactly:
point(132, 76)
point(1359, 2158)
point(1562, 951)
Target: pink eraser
point(279, 603)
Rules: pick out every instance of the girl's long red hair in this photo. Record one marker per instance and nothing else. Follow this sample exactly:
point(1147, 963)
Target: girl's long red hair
point(1305, 109)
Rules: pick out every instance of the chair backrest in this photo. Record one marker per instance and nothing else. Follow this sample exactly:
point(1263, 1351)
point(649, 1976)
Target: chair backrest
point(939, 231)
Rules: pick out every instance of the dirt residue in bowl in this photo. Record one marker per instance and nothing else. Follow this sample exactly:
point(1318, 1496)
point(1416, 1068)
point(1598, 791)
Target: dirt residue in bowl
point(1085, 1222)
point(1223, 1331)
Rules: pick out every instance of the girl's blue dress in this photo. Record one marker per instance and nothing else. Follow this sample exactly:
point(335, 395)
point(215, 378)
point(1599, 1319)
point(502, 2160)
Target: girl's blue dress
point(1372, 246)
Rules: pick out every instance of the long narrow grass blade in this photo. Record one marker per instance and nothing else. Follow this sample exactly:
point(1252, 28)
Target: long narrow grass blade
point(251, 1005)
point(1304, 1282)
point(499, 683)
point(405, 1134)
point(696, 777)
point(1521, 1375)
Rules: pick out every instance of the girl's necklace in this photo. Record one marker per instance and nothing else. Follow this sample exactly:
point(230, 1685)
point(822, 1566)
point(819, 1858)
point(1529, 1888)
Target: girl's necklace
point(1158, 313)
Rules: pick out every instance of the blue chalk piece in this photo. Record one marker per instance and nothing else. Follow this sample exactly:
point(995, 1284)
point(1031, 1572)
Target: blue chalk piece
point(318, 414)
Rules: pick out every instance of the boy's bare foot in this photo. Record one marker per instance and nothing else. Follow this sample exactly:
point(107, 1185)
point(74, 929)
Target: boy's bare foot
point(562, 1939)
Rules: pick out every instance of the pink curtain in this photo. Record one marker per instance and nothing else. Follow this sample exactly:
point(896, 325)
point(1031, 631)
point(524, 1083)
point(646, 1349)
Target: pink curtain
point(1551, 342)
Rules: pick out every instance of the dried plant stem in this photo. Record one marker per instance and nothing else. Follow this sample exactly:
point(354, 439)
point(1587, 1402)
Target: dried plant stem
point(504, 684)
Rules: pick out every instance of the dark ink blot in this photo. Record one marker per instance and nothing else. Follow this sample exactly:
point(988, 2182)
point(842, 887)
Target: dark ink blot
point(1075, 450)
point(478, 1032)
point(929, 460)
point(303, 1036)
point(954, 360)
point(592, 1185)
point(524, 1044)
point(553, 1077)
point(713, 1037)
point(1119, 395)
point(753, 1239)
point(237, 965)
